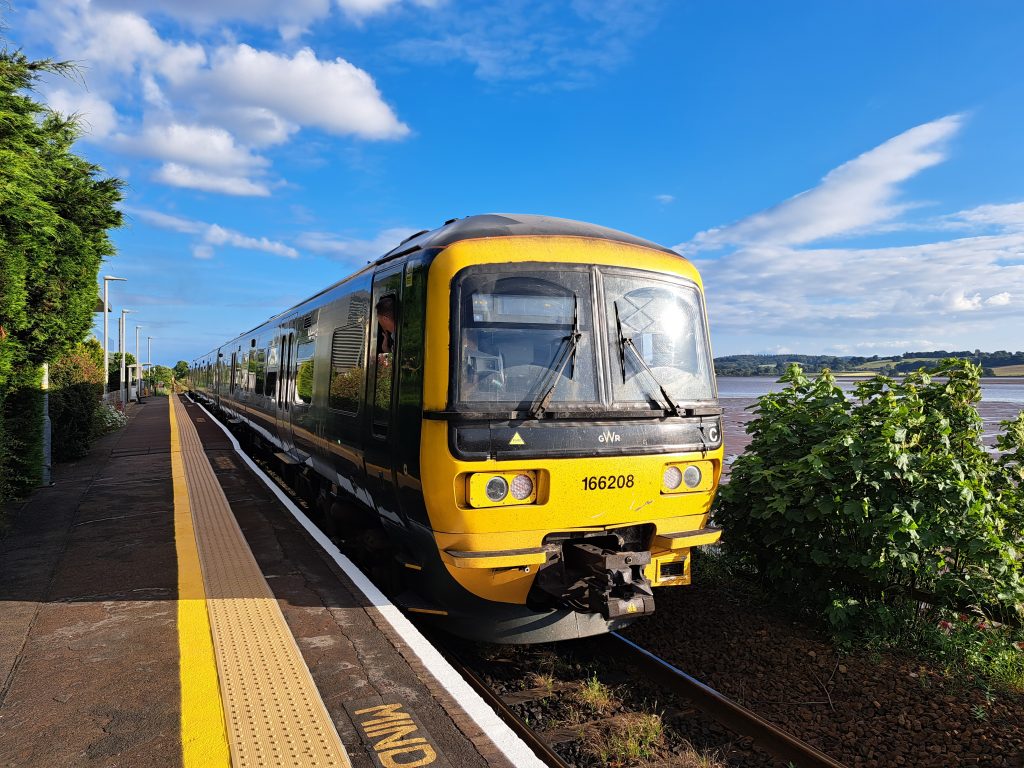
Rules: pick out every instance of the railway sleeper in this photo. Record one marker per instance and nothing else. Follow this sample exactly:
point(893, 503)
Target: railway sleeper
point(595, 575)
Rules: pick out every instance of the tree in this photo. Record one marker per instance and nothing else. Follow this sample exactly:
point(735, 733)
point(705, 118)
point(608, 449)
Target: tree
point(55, 212)
point(180, 369)
point(161, 374)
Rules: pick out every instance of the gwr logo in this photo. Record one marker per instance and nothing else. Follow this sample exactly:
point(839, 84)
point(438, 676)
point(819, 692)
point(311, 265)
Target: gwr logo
point(609, 437)
point(389, 731)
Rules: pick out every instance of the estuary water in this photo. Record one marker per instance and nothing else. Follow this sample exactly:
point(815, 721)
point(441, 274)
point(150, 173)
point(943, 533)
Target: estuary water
point(1005, 389)
point(1001, 399)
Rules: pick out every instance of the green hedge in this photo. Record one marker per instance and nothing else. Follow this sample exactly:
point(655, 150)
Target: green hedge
point(76, 388)
point(859, 506)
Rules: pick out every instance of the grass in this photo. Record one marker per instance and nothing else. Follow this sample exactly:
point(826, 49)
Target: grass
point(1009, 370)
point(627, 740)
point(544, 681)
point(594, 694)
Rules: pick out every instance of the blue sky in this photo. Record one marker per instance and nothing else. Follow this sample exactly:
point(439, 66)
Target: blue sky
point(849, 177)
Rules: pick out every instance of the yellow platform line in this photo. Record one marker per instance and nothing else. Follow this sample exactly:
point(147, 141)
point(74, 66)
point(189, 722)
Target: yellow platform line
point(204, 739)
point(273, 710)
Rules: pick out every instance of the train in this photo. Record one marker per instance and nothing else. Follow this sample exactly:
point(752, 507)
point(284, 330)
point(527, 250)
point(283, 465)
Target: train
point(510, 421)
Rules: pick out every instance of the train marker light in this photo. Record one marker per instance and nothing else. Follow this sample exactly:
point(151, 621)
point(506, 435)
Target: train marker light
point(522, 487)
point(672, 477)
point(692, 476)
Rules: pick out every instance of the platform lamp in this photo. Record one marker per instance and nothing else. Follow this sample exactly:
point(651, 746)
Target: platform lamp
point(138, 367)
point(149, 362)
point(123, 389)
point(106, 310)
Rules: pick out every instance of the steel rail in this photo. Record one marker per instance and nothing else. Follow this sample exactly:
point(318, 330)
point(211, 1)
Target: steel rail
point(733, 716)
point(540, 747)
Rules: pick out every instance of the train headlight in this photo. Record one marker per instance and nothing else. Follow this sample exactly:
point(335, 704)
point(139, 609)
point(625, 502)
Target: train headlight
point(692, 477)
point(672, 477)
point(499, 489)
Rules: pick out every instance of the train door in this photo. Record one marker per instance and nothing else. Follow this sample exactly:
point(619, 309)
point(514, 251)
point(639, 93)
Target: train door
point(285, 386)
point(378, 426)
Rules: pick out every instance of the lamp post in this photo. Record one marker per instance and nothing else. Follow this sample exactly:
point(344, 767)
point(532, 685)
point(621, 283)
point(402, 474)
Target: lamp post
point(149, 362)
point(122, 388)
point(106, 309)
point(138, 367)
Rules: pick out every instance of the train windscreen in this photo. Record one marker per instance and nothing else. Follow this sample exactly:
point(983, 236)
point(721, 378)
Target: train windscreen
point(657, 341)
point(517, 336)
point(527, 340)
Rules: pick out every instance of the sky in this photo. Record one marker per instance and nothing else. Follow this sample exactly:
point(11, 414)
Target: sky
point(848, 177)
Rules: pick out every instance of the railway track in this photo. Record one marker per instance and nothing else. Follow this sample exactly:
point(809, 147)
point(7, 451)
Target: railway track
point(769, 737)
point(733, 716)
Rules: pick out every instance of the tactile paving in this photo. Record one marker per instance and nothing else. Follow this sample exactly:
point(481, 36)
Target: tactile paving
point(274, 713)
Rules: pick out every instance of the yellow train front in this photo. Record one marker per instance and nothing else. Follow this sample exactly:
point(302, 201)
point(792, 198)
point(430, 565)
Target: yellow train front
point(571, 441)
point(510, 421)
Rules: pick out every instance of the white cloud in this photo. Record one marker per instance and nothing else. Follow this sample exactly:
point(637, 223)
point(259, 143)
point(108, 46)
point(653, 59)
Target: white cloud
point(358, 10)
point(166, 221)
point(217, 235)
point(958, 302)
point(352, 249)
point(292, 16)
point(191, 178)
point(97, 117)
point(1008, 216)
point(193, 145)
point(852, 197)
point(823, 296)
point(207, 114)
point(333, 95)
point(665, 199)
point(999, 299)
point(766, 289)
point(212, 235)
point(203, 13)
point(535, 42)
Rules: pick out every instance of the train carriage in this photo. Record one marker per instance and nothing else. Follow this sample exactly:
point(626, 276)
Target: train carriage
point(511, 421)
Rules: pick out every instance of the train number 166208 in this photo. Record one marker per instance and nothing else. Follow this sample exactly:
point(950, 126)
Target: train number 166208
point(607, 482)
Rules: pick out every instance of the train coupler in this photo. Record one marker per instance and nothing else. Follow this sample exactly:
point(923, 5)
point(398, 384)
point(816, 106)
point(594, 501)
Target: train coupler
point(607, 581)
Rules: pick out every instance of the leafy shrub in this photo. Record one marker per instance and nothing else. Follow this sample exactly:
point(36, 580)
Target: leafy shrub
point(76, 386)
point(859, 507)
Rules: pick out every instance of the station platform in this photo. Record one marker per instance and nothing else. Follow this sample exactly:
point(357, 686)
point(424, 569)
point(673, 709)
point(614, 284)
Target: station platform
point(161, 605)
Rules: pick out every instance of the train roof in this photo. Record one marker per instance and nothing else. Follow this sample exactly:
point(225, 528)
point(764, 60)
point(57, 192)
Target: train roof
point(483, 226)
point(513, 225)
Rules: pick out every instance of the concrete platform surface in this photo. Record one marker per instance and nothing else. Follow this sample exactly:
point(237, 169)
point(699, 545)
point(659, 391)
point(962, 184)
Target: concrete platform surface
point(89, 636)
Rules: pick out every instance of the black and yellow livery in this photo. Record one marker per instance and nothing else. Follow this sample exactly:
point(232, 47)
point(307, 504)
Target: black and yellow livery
point(518, 414)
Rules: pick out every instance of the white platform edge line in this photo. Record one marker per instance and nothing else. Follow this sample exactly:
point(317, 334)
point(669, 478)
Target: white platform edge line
point(513, 747)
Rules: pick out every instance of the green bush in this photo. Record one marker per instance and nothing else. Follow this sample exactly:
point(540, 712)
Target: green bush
point(860, 507)
point(76, 387)
point(21, 449)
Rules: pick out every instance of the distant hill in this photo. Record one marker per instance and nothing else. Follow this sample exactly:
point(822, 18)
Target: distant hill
point(1001, 363)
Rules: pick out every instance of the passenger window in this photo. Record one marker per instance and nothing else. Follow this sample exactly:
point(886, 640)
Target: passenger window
point(258, 365)
point(304, 372)
point(273, 360)
point(347, 368)
point(386, 311)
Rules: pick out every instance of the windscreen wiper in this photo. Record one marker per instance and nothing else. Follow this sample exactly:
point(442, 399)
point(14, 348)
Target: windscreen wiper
point(568, 353)
point(626, 342)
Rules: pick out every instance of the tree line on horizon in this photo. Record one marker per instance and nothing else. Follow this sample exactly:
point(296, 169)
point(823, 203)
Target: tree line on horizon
point(777, 365)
